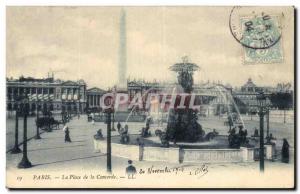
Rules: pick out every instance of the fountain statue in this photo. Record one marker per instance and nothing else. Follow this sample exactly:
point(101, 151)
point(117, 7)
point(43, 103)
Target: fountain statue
point(182, 123)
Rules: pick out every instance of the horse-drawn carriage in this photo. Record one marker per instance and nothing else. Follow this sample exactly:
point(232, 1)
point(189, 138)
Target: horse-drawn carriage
point(48, 123)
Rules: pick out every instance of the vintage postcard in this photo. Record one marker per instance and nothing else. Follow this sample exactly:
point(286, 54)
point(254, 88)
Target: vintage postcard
point(150, 97)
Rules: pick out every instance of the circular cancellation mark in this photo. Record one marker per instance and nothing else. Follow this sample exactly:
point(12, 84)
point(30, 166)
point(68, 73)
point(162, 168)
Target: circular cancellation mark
point(253, 28)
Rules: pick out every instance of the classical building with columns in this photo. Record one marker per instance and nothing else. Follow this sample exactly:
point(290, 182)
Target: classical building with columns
point(93, 96)
point(47, 93)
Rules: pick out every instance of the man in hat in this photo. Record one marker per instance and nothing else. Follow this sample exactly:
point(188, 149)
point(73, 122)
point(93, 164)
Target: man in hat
point(130, 170)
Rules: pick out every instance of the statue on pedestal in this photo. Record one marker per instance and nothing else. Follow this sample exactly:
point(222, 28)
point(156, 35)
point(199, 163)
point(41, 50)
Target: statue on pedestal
point(182, 123)
point(124, 135)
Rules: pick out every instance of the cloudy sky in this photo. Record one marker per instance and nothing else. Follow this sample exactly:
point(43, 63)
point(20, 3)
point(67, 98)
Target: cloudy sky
point(82, 43)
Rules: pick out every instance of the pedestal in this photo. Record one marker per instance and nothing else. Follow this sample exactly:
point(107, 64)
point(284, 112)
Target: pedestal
point(247, 154)
point(270, 151)
point(16, 150)
point(25, 163)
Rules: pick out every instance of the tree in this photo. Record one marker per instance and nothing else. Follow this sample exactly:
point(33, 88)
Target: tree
point(282, 101)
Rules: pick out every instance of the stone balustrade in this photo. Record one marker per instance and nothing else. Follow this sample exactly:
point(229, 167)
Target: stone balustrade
point(177, 155)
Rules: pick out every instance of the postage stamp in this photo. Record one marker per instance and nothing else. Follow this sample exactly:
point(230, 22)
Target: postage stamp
point(261, 32)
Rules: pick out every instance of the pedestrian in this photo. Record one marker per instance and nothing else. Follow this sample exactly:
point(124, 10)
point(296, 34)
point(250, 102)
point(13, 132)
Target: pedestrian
point(125, 129)
point(65, 127)
point(285, 156)
point(130, 170)
point(99, 134)
point(67, 134)
point(256, 132)
point(141, 148)
point(119, 126)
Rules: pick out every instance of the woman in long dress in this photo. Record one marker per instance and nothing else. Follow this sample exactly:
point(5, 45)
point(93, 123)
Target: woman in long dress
point(285, 156)
point(67, 134)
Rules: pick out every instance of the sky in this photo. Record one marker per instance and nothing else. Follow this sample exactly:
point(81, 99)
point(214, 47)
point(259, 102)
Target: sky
point(83, 42)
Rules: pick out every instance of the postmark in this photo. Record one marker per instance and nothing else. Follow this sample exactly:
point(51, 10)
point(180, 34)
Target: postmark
point(259, 33)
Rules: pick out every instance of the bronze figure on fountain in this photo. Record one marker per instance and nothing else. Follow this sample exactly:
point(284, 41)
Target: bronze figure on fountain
point(182, 124)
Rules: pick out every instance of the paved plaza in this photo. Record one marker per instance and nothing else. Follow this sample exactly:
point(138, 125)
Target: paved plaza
point(81, 150)
point(278, 129)
point(52, 155)
point(10, 129)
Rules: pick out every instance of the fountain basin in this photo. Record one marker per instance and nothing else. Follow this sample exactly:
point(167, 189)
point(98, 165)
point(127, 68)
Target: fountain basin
point(175, 154)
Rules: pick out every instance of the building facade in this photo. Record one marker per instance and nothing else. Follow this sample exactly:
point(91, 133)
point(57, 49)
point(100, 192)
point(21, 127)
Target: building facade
point(245, 97)
point(47, 94)
point(93, 96)
point(72, 96)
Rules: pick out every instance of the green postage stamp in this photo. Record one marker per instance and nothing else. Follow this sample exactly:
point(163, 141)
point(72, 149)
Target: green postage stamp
point(262, 36)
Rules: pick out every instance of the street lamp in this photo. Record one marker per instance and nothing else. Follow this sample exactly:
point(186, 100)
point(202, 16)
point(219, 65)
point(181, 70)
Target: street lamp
point(37, 119)
point(268, 137)
point(16, 148)
point(113, 121)
point(108, 112)
point(108, 122)
point(113, 104)
point(261, 100)
point(25, 162)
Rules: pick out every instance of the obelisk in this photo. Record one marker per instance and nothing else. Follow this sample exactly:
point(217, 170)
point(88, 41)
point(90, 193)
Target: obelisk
point(122, 83)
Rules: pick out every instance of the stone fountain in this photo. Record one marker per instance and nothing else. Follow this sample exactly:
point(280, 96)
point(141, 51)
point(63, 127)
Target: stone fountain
point(182, 124)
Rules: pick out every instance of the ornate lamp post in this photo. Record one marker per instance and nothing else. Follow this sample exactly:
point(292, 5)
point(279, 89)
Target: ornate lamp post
point(63, 112)
point(261, 99)
point(109, 112)
point(268, 126)
point(25, 162)
point(16, 148)
point(108, 121)
point(37, 118)
point(113, 113)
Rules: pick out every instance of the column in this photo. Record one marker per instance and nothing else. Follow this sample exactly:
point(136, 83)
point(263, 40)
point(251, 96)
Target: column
point(72, 93)
point(49, 100)
point(67, 93)
point(13, 94)
point(92, 100)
